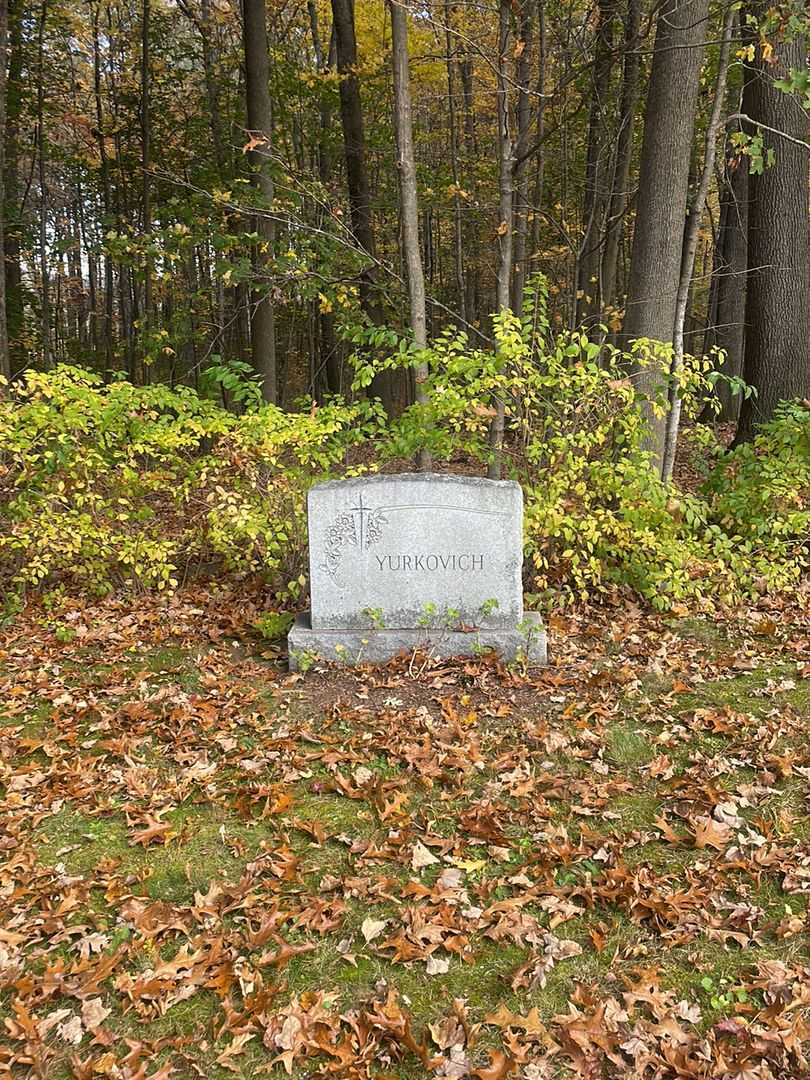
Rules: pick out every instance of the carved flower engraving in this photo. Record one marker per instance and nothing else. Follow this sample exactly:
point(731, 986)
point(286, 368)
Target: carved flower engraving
point(359, 527)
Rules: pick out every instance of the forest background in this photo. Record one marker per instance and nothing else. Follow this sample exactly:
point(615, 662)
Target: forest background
point(521, 234)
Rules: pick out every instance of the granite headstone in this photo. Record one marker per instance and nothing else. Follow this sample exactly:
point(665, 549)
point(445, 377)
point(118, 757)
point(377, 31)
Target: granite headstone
point(415, 560)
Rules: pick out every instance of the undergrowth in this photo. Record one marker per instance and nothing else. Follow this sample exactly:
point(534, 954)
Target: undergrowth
point(110, 485)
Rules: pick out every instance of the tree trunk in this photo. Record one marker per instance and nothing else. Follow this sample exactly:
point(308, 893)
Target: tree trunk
point(655, 269)
point(471, 239)
point(589, 292)
point(212, 88)
point(730, 270)
point(11, 208)
point(458, 227)
point(624, 153)
point(523, 74)
point(5, 357)
point(109, 287)
point(354, 145)
point(777, 311)
point(540, 154)
point(690, 243)
point(330, 363)
point(146, 182)
point(260, 125)
point(45, 297)
point(506, 153)
point(202, 24)
point(409, 205)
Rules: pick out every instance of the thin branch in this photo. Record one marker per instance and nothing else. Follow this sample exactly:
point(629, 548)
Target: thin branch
point(765, 127)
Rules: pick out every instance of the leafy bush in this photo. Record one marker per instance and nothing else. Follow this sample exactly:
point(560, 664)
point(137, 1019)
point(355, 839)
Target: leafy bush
point(114, 485)
point(597, 516)
point(760, 497)
point(110, 485)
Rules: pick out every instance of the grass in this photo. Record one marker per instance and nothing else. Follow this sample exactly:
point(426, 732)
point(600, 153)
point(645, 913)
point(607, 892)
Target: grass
point(628, 747)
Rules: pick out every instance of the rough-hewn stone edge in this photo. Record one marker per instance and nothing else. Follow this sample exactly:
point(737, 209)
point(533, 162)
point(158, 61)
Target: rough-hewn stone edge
point(355, 647)
point(439, 478)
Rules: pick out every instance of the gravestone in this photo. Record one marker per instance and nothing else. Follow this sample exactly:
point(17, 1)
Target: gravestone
point(415, 560)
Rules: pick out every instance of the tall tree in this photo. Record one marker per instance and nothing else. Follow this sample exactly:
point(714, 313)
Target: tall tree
point(506, 187)
point(44, 269)
point(539, 152)
point(619, 195)
point(663, 193)
point(777, 313)
point(726, 329)
point(409, 204)
point(330, 362)
point(466, 71)
point(597, 191)
point(260, 127)
point(357, 181)
point(5, 359)
point(471, 238)
point(458, 227)
point(146, 180)
point(11, 206)
point(523, 74)
point(106, 196)
point(203, 25)
point(690, 242)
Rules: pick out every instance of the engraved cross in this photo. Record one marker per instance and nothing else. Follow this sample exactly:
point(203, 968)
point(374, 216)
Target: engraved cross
point(362, 511)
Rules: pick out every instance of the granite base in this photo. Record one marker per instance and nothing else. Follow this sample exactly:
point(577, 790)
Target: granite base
point(355, 647)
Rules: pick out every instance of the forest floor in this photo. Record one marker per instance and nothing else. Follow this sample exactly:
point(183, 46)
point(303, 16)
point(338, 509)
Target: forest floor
point(211, 867)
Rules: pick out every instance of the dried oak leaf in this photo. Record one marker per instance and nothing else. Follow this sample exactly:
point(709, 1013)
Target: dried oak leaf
point(499, 1066)
point(710, 833)
point(504, 1017)
point(235, 1047)
point(94, 1013)
point(155, 832)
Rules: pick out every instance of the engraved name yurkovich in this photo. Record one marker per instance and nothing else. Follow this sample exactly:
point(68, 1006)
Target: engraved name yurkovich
point(465, 562)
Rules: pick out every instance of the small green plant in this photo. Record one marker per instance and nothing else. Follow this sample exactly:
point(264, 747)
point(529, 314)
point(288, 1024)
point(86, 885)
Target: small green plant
point(521, 850)
point(759, 500)
point(238, 378)
point(723, 996)
point(305, 660)
point(375, 617)
point(425, 620)
point(274, 624)
point(489, 607)
point(54, 600)
point(452, 617)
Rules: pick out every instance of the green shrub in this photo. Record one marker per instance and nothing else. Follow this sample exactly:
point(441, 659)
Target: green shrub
point(760, 497)
point(597, 516)
point(107, 486)
point(114, 485)
point(274, 624)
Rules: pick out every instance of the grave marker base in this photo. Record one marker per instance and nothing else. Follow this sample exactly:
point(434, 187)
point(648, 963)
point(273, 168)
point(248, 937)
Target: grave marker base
point(376, 646)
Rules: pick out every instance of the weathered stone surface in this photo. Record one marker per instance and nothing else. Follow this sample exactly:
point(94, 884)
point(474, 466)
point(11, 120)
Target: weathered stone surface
point(415, 550)
point(415, 561)
point(353, 647)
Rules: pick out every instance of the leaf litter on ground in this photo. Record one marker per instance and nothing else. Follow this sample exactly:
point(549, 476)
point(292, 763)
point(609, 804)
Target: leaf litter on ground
point(453, 869)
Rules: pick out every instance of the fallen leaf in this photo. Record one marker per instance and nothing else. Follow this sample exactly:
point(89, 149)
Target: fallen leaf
point(710, 833)
point(499, 1066)
point(437, 965)
point(372, 928)
point(422, 857)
